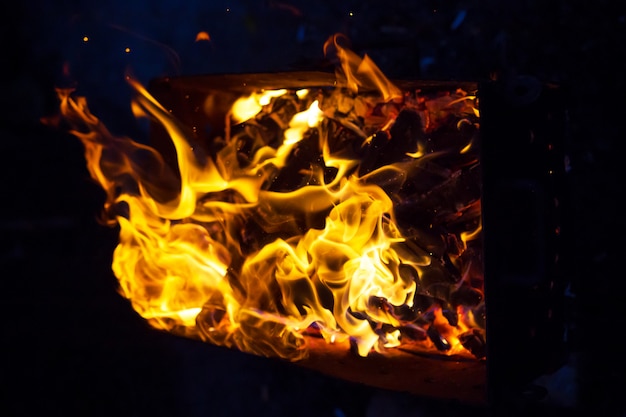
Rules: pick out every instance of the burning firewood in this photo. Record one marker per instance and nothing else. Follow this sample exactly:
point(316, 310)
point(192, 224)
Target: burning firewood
point(349, 213)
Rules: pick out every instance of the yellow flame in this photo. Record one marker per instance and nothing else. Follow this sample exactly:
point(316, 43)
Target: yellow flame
point(302, 122)
point(360, 72)
point(211, 248)
point(302, 93)
point(246, 108)
point(471, 235)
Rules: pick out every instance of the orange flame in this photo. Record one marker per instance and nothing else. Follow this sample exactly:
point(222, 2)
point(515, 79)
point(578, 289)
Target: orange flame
point(360, 72)
point(186, 261)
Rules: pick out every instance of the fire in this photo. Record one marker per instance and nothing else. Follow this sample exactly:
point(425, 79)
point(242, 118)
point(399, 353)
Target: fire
point(246, 108)
point(273, 240)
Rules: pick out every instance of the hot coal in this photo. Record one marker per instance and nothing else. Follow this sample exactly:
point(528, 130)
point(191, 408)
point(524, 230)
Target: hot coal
point(438, 340)
point(454, 245)
point(380, 303)
point(404, 313)
point(444, 200)
point(428, 317)
point(422, 303)
point(298, 170)
point(413, 332)
point(371, 158)
point(407, 131)
point(450, 315)
point(454, 134)
point(343, 141)
point(480, 315)
point(466, 296)
point(386, 148)
point(474, 341)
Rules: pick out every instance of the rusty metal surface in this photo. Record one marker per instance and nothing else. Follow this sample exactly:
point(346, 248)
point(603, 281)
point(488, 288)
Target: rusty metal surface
point(425, 375)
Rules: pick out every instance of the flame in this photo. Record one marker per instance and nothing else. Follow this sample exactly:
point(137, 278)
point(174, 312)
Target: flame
point(246, 108)
point(360, 72)
point(450, 334)
point(214, 249)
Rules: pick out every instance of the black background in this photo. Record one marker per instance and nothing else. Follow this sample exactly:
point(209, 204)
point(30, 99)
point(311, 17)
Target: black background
point(72, 346)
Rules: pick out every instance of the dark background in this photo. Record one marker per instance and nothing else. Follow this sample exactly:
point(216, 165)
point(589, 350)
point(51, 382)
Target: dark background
point(72, 346)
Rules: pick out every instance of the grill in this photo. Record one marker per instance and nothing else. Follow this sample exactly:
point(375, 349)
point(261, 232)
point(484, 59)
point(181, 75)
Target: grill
point(520, 181)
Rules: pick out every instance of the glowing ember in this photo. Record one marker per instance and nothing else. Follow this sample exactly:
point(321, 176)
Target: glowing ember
point(342, 224)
